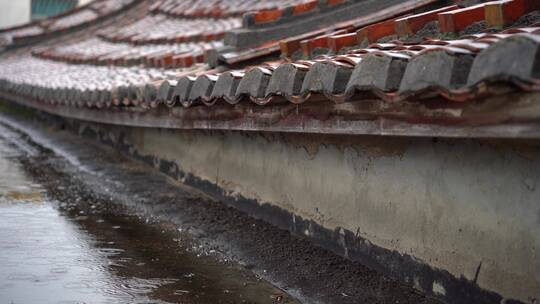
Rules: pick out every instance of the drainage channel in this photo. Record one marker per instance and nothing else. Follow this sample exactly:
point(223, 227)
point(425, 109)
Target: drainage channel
point(178, 231)
point(61, 244)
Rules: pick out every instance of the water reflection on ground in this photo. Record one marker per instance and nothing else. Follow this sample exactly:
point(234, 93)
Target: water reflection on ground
point(61, 253)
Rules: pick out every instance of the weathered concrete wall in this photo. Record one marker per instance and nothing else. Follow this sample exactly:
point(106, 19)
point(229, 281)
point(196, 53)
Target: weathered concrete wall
point(468, 207)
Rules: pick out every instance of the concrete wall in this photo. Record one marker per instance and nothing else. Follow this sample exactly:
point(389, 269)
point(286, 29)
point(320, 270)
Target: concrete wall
point(14, 12)
point(468, 207)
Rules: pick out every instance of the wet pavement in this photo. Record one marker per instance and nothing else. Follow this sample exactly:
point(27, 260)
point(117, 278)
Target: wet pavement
point(81, 252)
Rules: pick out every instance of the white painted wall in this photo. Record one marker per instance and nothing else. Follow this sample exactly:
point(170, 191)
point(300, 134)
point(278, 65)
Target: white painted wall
point(14, 12)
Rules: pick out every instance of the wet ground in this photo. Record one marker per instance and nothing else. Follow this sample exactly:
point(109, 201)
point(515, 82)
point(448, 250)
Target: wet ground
point(84, 252)
point(145, 237)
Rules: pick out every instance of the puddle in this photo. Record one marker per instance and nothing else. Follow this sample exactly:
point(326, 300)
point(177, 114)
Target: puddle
point(79, 252)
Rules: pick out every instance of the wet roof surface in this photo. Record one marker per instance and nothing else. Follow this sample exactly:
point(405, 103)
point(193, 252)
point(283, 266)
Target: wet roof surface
point(84, 249)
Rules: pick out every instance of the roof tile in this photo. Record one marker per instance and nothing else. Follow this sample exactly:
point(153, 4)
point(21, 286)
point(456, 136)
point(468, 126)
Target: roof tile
point(163, 70)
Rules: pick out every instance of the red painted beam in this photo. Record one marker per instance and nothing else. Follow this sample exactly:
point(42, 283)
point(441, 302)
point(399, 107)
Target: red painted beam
point(376, 31)
point(501, 13)
point(411, 24)
point(305, 7)
point(268, 15)
point(338, 42)
point(308, 46)
point(457, 20)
